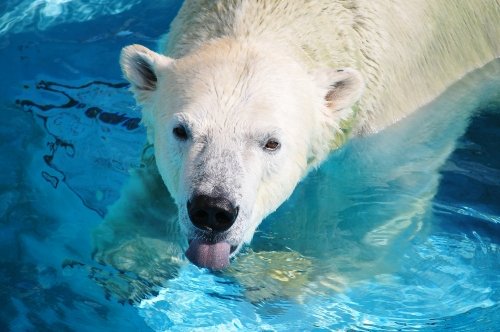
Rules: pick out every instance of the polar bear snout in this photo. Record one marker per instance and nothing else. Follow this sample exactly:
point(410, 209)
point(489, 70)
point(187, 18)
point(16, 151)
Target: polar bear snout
point(214, 214)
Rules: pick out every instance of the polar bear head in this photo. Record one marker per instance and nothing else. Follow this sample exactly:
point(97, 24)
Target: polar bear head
point(235, 126)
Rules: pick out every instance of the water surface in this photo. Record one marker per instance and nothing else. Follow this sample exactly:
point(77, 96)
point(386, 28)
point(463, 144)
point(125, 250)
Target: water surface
point(396, 231)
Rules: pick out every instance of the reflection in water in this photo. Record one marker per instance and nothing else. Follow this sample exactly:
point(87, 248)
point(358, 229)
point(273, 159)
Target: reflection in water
point(76, 118)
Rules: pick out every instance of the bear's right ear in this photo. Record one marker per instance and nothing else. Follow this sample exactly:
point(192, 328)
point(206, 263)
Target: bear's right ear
point(141, 67)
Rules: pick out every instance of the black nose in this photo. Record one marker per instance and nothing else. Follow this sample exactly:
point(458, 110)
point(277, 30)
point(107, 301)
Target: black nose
point(212, 213)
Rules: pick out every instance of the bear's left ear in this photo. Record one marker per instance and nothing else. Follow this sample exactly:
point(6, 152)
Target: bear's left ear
point(141, 67)
point(343, 87)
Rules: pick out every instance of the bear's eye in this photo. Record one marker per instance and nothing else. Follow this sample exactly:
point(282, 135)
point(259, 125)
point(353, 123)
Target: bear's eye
point(272, 145)
point(180, 133)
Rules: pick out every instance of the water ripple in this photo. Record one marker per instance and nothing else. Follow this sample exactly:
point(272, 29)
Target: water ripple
point(467, 211)
point(43, 14)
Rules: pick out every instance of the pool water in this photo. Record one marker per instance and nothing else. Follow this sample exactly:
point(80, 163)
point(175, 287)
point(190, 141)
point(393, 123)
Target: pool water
point(396, 231)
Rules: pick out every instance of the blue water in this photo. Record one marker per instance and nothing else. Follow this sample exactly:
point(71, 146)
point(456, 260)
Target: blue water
point(396, 231)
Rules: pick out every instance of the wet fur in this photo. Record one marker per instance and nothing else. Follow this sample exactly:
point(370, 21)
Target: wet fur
point(281, 61)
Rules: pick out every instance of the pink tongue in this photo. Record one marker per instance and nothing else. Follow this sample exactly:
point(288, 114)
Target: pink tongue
point(214, 256)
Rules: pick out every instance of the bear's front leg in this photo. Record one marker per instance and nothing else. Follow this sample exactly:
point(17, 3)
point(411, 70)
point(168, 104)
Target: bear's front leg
point(140, 233)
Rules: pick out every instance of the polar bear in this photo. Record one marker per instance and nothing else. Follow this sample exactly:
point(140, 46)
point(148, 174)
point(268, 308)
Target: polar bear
point(245, 97)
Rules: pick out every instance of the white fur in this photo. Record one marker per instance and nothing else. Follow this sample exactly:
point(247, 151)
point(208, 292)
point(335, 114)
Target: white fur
point(236, 73)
